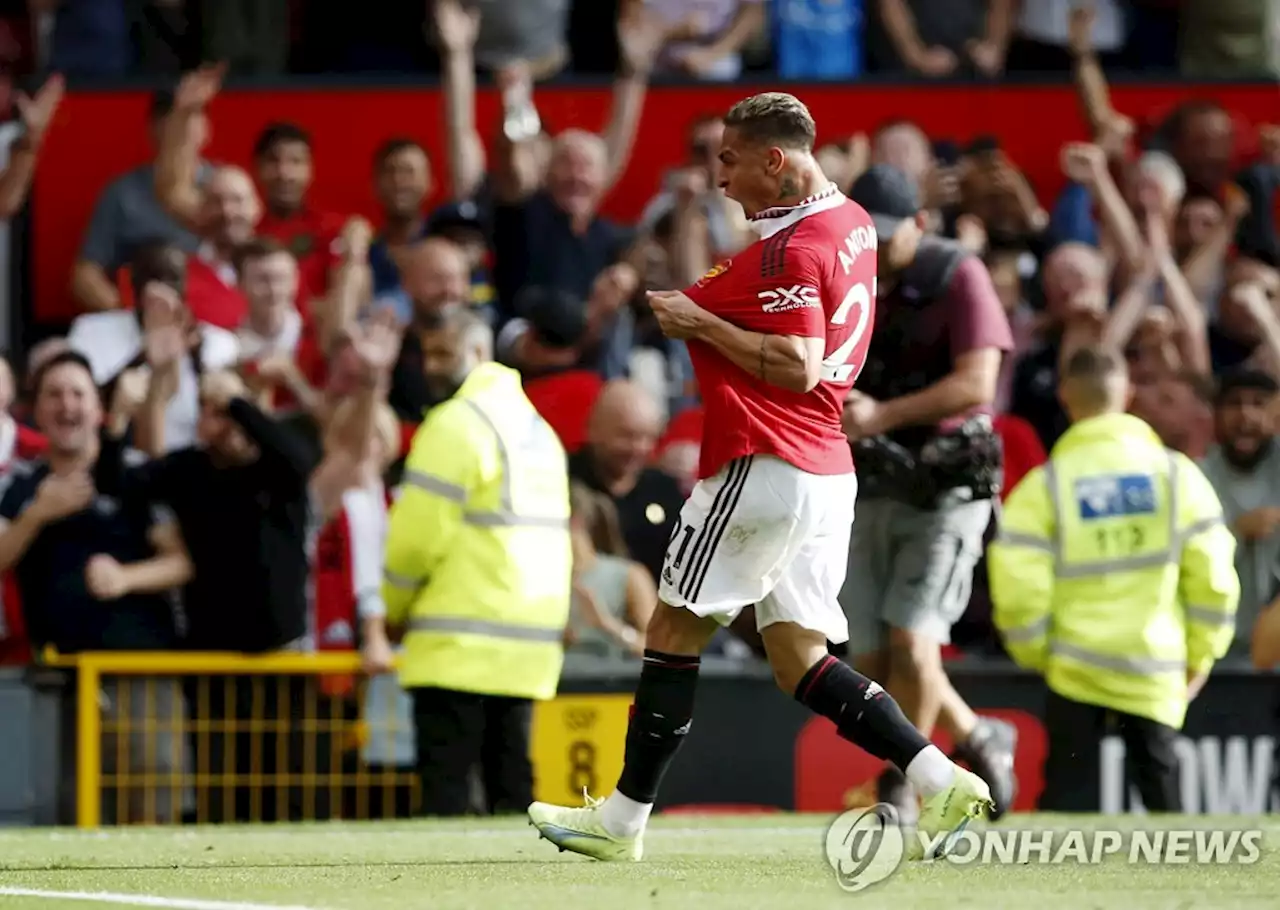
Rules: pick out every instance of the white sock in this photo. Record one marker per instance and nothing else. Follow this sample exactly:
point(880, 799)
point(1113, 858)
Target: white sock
point(622, 816)
point(930, 771)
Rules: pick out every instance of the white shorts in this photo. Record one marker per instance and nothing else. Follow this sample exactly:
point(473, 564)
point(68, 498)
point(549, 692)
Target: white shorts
point(766, 533)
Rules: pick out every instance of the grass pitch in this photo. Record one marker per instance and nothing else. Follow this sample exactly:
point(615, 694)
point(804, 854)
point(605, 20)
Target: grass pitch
point(691, 863)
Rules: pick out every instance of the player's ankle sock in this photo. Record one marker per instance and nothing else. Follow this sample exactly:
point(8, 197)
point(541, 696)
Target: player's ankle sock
point(660, 719)
point(931, 771)
point(623, 816)
point(868, 717)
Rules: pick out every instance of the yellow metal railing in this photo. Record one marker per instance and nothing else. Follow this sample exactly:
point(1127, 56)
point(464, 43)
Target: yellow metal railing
point(212, 737)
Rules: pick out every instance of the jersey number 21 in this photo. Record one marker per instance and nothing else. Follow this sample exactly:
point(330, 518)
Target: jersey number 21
point(836, 367)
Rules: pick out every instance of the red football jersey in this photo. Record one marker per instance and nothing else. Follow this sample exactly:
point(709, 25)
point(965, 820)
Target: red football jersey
point(312, 238)
point(812, 274)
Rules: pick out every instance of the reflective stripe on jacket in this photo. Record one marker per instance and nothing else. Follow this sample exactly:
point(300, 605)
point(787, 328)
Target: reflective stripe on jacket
point(478, 562)
point(1113, 572)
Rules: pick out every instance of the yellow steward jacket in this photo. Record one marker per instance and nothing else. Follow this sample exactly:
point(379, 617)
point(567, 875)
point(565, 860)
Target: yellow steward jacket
point(478, 562)
point(1113, 572)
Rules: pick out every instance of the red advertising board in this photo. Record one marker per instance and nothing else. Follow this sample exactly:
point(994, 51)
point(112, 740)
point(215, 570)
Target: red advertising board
point(826, 769)
point(98, 135)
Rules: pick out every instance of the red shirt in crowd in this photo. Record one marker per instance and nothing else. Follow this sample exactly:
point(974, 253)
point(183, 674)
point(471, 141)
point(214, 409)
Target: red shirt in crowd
point(685, 427)
point(17, 443)
point(213, 295)
point(346, 568)
point(812, 275)
point(312, 237)
point(1023, 450)
point(565, 401)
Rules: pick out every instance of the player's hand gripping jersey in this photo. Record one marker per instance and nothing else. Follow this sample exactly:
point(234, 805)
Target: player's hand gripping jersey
point(812, 274)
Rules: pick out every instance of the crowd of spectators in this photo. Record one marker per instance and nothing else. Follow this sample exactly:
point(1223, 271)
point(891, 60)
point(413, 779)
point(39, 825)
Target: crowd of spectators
point(712, 40)
point(257, 366)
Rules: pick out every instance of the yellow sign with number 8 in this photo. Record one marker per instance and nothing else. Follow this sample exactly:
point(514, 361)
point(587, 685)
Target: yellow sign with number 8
point(577, 742)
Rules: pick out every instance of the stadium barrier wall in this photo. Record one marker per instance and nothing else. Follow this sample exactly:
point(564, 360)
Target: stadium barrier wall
point(348, 125)
point(749, 747)
point(31, 766)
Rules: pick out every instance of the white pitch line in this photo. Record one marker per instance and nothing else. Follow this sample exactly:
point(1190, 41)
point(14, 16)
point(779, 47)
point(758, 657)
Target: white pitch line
point(140, 900)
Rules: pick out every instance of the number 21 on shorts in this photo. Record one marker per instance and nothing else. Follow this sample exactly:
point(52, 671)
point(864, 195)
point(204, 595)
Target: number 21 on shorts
point(836, 367)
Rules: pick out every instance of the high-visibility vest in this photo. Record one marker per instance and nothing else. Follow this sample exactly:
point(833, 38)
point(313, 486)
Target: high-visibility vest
point(1113, 572)
point(479, 564)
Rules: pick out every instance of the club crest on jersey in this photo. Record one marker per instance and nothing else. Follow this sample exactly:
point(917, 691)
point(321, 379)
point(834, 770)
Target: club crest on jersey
point(717, 269)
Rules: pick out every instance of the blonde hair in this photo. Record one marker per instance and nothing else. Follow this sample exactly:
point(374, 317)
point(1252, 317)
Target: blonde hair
point(386, 427)
point(599, 517)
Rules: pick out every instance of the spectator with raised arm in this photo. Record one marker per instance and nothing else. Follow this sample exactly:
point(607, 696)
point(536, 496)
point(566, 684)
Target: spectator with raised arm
point(229, 211)
point(130, 212)
point(34, 113)
point(283, 164)
point(1184, 318)
point(1120, 241)
point(241, 499)
point(457, 28)
point(1043, 37)
point(113, 342)
point(555, 238)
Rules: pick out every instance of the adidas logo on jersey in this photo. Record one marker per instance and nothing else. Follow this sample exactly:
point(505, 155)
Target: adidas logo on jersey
point(798, 297)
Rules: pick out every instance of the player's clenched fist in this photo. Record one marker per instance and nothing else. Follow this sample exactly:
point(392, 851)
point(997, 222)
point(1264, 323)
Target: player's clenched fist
point(678, 316)
point(862, 417)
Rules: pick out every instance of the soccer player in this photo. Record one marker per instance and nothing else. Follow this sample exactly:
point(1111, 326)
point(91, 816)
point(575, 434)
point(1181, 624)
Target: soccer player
point(777, 336)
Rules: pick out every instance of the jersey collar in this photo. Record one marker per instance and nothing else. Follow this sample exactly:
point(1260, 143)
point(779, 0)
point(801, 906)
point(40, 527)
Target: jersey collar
point(770, 221)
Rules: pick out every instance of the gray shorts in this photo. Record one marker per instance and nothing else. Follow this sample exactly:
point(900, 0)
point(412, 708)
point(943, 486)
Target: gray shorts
point(910, 569)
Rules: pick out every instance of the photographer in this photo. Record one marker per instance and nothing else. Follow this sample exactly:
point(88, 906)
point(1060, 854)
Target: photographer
point(928, 466)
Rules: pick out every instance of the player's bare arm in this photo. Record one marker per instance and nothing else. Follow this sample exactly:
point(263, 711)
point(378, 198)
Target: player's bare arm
point(786, 361)
point(766, 165)
point(971, 384)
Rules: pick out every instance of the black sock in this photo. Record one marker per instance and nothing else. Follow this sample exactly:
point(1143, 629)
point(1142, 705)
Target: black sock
point(862, 711)
point(660, 719)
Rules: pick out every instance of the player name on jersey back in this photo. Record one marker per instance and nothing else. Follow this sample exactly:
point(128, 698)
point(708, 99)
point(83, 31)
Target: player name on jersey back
point(813, 275)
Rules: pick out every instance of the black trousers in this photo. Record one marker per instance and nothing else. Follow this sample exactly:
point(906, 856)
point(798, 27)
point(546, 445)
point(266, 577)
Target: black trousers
point(1073, 772)
point(272, 749)
point(458, 731)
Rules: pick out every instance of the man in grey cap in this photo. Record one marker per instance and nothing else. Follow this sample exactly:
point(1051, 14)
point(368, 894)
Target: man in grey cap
point(928, 465)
